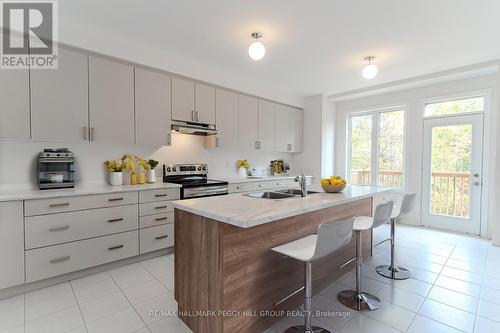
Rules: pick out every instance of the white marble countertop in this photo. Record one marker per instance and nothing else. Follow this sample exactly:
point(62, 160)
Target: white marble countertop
point(252, 179)
point(13, 194)
point(245, 212)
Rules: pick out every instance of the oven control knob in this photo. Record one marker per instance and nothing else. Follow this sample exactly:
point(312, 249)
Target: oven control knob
point(174, 169)
point(204, 168)
point(169, 169)
point(199, 168)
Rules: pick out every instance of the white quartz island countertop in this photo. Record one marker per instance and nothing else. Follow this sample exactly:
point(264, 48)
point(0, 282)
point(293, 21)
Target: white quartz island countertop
point(245, 212)
point(13, 194)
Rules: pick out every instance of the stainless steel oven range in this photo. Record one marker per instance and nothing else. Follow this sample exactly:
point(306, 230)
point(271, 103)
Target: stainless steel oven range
point(55, 169)
point(194, 180)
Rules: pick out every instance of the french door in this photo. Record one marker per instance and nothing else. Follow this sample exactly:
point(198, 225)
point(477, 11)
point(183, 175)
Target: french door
point(452, 173)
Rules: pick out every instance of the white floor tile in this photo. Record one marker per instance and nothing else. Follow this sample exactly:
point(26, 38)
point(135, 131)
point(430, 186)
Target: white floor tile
point(145, 291)
point(45, 301)
point(365, 324)
point(462, 275)
point(491, 282)
point(484, 325)
point(58, 322)
point(453, 298)
point(171, 256)
point(490, 295)
point(163, 303)
point(11, 312)
point(426, 325)
point(81, 329)
point(85, 292)
point(15, 329)
point(125, 321)
point(489, 310)
point(129, 276)
point(144, 330)
point(473, 267)
point(171, 324)
point(367, 285)
point(448, 315)
point(412, 285)
point(459, 286)
point(104, 306)
point(393, 316)
point(400, 297)
point(161, 268)
point(330, 311)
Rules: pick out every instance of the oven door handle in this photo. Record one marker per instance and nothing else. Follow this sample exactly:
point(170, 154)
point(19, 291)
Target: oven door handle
point(56, 160)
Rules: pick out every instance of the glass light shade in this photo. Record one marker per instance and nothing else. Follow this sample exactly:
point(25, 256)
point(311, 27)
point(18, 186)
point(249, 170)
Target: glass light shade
point(370, 71)
point(256, 51)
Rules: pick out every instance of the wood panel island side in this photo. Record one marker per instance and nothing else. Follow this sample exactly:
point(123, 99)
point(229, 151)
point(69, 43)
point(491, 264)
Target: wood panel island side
point(227, 279)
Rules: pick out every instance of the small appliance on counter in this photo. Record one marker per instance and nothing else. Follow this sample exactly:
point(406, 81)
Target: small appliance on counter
point(55, 169)
point(194, 180)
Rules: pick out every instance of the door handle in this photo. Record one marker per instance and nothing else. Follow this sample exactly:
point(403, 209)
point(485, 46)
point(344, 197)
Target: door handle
point(192, 115)
point(85, 133)
point(92, 132)
point(115, 247)
point(115, 220)
point(161, 237)
point(61, 228)
point(160, 207)
point(60, 259)
point(63, 204)
point(115, 199)
point(476, 175)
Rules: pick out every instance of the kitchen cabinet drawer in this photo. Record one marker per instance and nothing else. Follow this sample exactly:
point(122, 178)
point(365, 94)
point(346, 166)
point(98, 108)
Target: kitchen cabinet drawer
point(61, 259)
point(285, 183)
point(159, 195)
point(259, 186)
point(157, 219)
point(155, 208)
point(242, 187)
point(59, 205)
point(59, 228)
point(156, 238)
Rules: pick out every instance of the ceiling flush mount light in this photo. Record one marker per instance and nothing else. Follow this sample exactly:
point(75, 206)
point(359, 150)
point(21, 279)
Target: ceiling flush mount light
point(370, 70)
point(256, 51)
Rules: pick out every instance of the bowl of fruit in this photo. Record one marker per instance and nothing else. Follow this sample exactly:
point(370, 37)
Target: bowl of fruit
point(333, 184)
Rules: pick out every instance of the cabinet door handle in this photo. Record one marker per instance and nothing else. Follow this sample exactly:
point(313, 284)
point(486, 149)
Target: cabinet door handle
point(169, 139)
point(161, 195)
point(92, 134)
point(289, 147)
point(61, 228)
point(257, 144)
point(62, 204)
point(161, 237)
point(161, 207)
point(60, 259)
point(115, 247)
point(192, 115)
point(217, 142)
point(85, 133)
point(161, 218)
point(115, 220)
point(115, 199)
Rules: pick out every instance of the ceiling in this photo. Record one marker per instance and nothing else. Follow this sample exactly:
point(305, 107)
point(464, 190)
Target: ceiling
point(312, 47)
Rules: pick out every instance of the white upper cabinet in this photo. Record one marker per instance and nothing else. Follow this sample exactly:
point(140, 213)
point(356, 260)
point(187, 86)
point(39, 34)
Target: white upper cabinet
point(152, 108)
point(288, 129)
point(11, 244)
point(247, 122)
point(111, 101)
point(14, 104)
point(227, 120)
point(193, 102)
point(59, 100)
point(266, 118)
point(182, 99)
point(205, 104)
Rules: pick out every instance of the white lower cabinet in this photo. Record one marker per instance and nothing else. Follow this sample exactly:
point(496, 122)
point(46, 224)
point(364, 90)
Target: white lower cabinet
point(159, 207)
point(11, 244)
point(156, 238)
point(65, 258)
point(241, 187)
point(54, 229)
point(157, 219)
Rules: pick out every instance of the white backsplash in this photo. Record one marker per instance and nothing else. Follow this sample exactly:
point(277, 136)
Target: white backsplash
point(18, 158)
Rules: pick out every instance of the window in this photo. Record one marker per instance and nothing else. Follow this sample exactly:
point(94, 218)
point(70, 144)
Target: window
point(376, 148)
point(466, 105)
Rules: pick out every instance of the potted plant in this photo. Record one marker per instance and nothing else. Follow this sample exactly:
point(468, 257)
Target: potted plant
point(115, 169)
point(242, 166)
point(151, 173)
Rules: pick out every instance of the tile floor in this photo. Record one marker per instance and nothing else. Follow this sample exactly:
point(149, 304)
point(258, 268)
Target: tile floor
point(455, 287)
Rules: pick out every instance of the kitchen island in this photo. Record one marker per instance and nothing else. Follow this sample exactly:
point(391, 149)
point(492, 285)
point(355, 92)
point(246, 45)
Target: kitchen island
point(227, 279)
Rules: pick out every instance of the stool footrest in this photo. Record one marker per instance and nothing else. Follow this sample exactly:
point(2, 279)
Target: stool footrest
point(358, 301)
point(347, 262)
point(393, 272)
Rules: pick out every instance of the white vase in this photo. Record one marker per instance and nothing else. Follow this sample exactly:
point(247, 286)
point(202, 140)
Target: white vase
point(116, 178)
point(242, 172)
point(151, 176)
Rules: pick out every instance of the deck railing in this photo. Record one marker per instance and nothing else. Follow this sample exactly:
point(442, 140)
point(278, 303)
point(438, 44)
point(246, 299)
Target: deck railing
point(449, 195)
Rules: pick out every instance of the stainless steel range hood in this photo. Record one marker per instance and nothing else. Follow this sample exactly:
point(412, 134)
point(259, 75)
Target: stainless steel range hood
point(193, 128)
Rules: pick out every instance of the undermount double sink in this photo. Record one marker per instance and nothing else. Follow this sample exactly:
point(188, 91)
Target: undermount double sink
point(278, 194)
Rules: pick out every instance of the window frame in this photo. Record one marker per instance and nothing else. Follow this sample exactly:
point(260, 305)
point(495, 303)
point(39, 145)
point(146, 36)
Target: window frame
point(456, 97)
point(375, 149)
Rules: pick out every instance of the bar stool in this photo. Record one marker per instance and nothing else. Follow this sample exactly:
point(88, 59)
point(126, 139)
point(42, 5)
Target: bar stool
point(357, 299)
point(330, 238)
point(392, 271)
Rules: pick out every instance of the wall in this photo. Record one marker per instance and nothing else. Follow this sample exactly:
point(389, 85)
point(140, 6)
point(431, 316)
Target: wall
point(318, 139)
point(18, 158)
point(414, 101)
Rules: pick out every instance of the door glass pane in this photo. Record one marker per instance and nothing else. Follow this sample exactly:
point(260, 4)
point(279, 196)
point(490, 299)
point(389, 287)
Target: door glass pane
point(451, 166)
point(474, 104)
point(391, 148)
point(361, 147)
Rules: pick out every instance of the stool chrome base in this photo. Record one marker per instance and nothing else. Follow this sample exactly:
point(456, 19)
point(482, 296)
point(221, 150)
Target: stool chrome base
point(358, 301)
point(393, 272)
point(302, 329)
